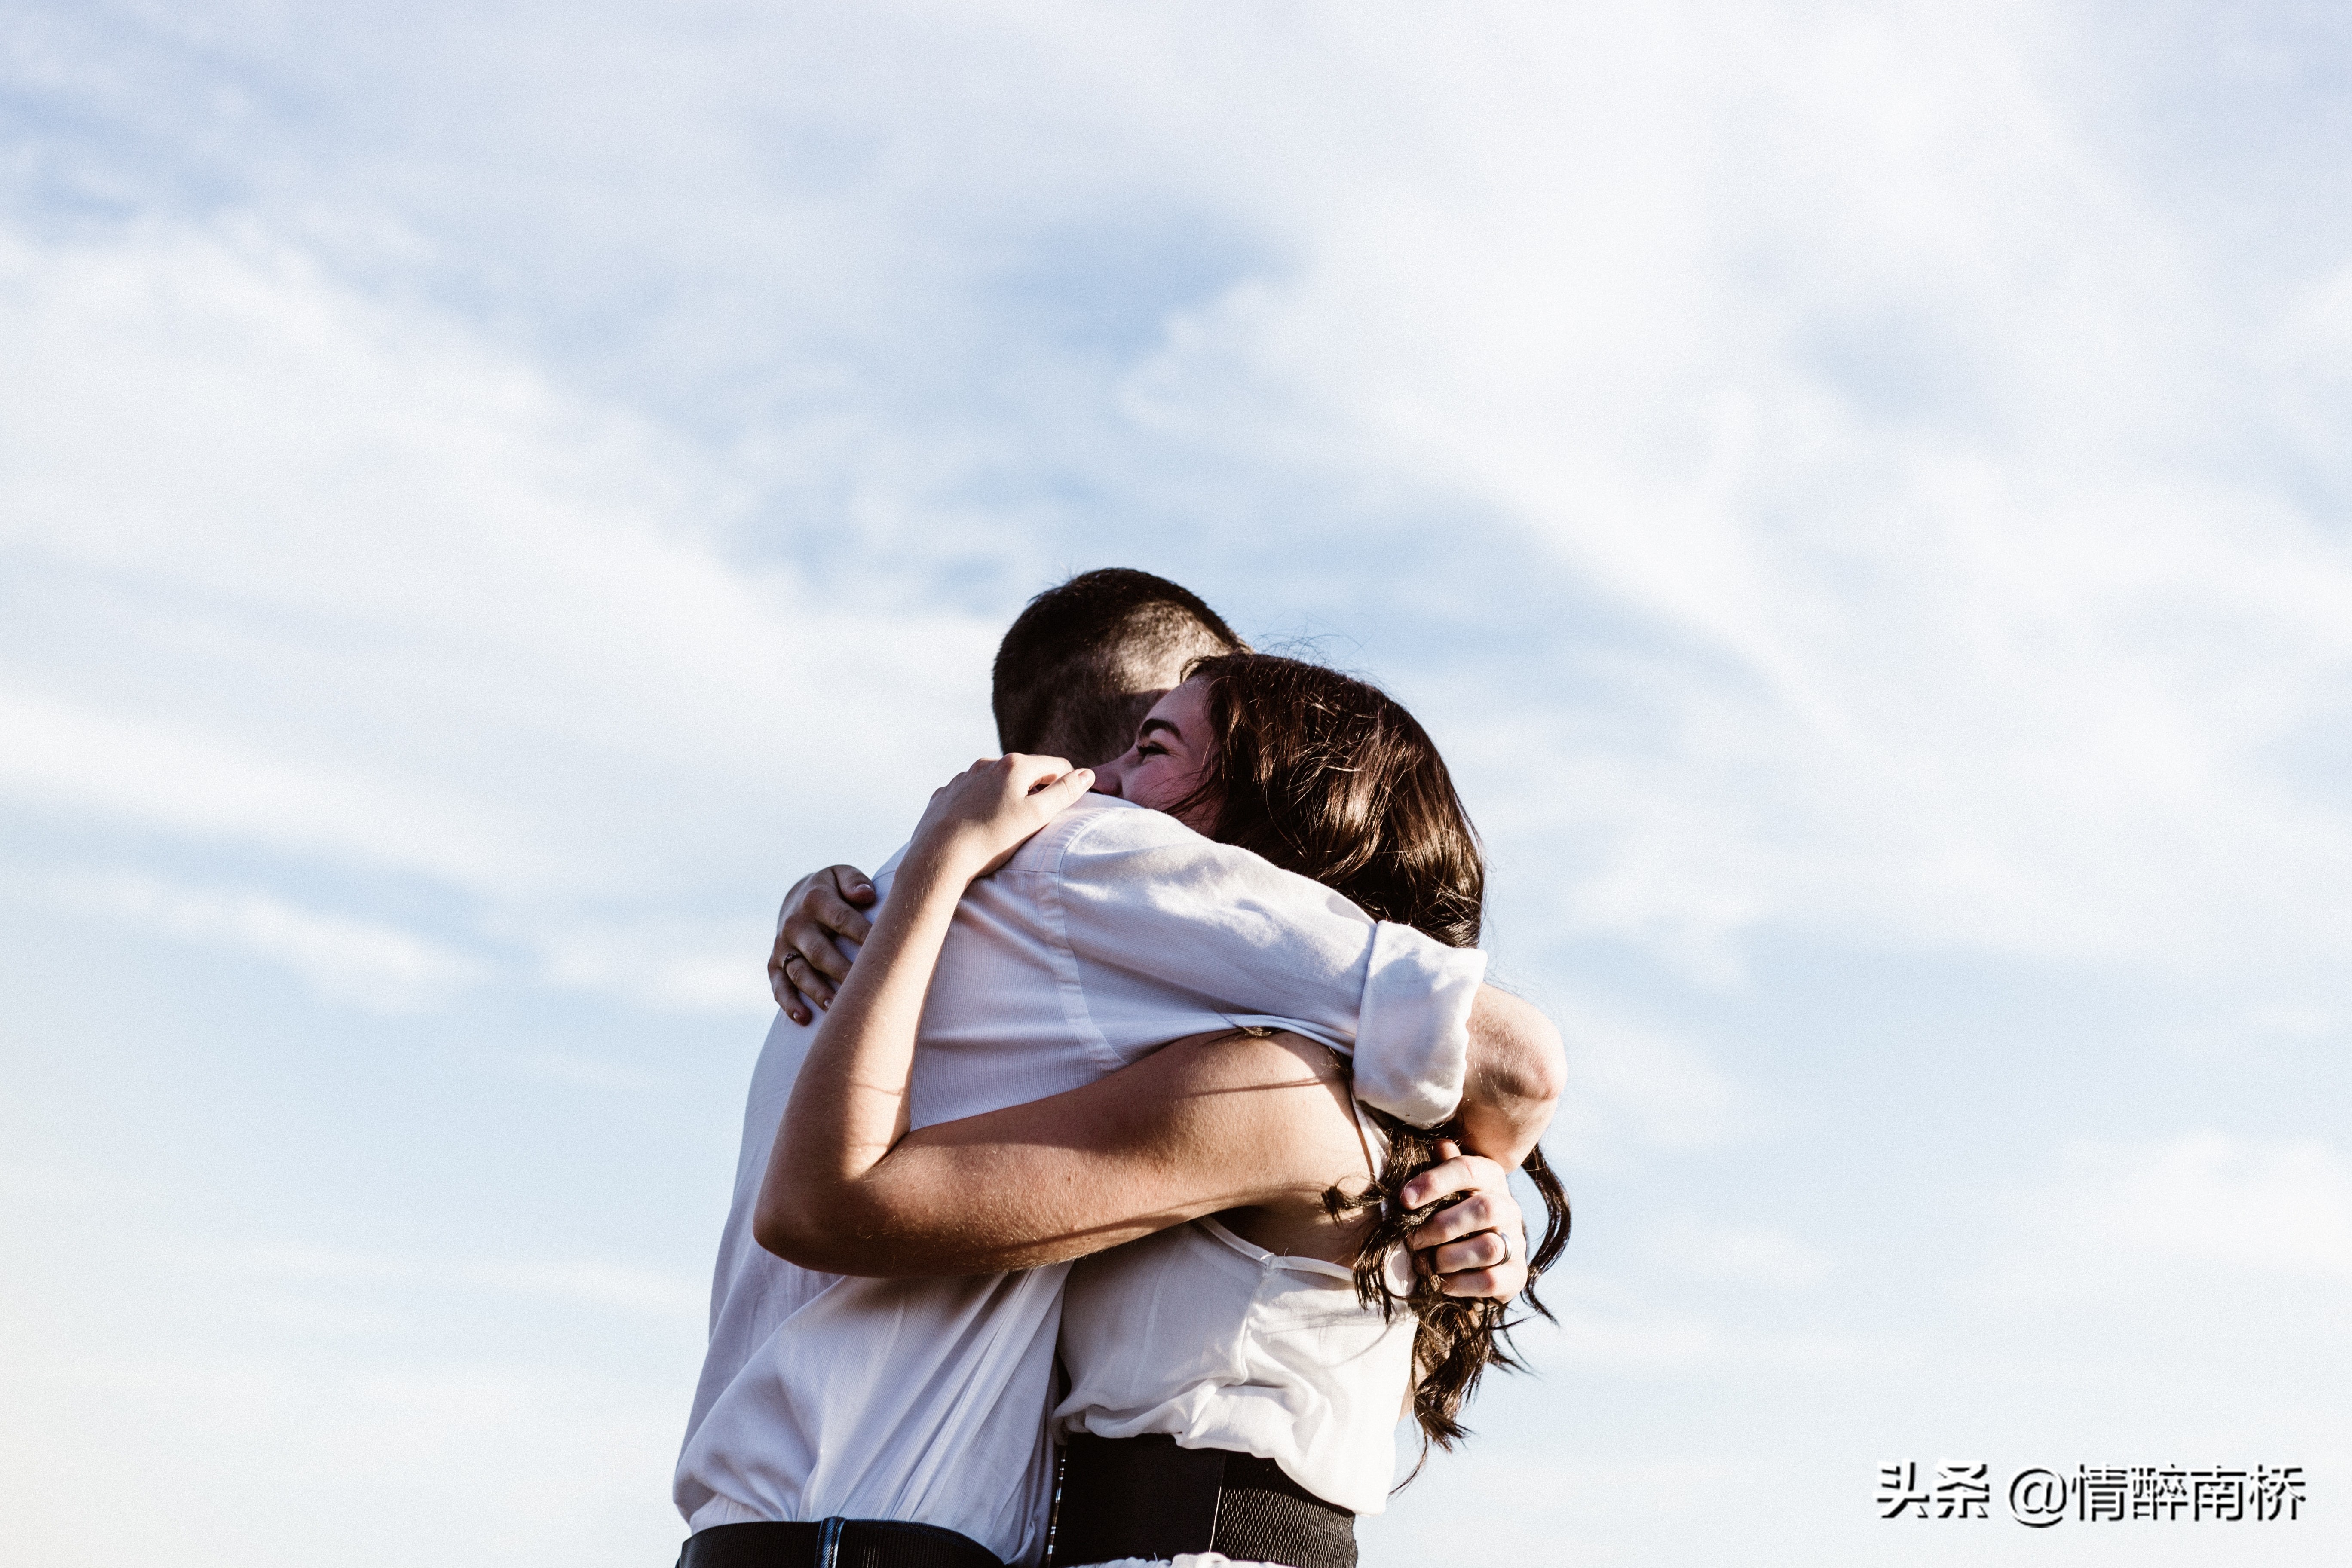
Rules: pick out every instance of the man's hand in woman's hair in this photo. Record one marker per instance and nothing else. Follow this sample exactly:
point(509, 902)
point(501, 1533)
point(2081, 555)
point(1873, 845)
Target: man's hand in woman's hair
point(807, 965)
point(1478, 1247)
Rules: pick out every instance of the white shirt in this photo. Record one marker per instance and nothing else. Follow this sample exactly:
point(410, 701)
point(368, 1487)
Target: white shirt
point(1113, 932)
point(1196, 1333)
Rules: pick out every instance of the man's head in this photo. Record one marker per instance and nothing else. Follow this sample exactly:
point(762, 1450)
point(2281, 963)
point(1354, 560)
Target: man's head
point(1084, 663)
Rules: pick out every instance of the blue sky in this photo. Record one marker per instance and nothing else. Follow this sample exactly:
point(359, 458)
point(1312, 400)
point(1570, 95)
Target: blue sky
point(488, 497)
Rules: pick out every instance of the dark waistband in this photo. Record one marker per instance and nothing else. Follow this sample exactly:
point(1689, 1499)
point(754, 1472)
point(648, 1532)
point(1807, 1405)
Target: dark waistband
point(834, 1543)
point(1146, 1496)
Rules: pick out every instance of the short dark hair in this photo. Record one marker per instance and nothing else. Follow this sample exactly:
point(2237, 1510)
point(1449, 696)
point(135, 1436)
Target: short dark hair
point(1063, 683)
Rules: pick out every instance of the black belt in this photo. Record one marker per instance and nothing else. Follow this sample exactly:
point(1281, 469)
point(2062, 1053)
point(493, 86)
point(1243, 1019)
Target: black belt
point(1145, 1497)
point(834, 1543)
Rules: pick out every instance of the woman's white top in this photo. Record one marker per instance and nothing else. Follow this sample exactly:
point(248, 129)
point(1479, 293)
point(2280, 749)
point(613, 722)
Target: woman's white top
point(1111, 933)
point(1195, 1333)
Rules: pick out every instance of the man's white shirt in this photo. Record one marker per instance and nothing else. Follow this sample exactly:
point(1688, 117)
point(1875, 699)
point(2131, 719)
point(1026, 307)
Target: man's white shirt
point(1111, 933)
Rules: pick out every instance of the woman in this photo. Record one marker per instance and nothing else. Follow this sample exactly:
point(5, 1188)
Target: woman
point(1255, 1411)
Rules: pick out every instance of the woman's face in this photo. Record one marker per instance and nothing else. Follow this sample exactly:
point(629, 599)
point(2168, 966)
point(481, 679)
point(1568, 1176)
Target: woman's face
point(1165, 765)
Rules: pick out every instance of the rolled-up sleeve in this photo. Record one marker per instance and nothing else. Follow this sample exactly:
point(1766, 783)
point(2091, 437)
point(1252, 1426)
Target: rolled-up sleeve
point(1412, 1038)
point(1168, 933)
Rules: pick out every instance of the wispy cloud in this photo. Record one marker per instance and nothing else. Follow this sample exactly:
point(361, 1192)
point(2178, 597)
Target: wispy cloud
point(2246, 1207)
point(1638, 1087)
point(158, 770)
point(368, 593)
point(595, 1283)
point(1878, 398)
point(1750, 1255)
point(712, 966)
point(1842, 480)
point(366, 961)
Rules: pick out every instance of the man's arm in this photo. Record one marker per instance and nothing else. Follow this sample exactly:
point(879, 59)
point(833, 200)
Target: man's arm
point(806, 966)
point(1516, 1074)
point(1516, 1069)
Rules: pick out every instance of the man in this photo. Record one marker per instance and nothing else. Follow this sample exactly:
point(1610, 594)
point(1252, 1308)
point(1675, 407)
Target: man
point(1077, 672)
point(829, 1402)
point(1075, 675)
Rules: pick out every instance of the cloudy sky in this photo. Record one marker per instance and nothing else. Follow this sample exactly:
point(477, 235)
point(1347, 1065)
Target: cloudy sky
point(489, 494)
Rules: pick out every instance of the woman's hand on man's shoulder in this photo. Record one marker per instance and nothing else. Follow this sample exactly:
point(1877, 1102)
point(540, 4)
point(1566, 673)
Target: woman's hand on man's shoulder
point(978, 819)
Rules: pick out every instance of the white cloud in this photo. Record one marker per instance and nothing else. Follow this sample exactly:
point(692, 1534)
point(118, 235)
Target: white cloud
point(1881, 396)
point(589, 1281)
point(2246, 1206)
point(1750, 1255)
point(327, 573)
point(1845, 356)
point(1615, 1323)
point(158, 771)
point(366, 961)
point(709, 966)
point(305, 571)
point(1633, 1088)
point(602, 517)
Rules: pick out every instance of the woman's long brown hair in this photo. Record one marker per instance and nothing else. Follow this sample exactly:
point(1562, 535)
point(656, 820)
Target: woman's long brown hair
point(1331, 778)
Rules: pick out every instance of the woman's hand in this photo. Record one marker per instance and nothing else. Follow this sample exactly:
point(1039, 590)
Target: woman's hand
point(849, 1104)
point(978, 819)
point(1479, 1245)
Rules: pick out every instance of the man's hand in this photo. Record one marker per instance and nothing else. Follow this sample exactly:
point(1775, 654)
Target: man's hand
point(807, 965)
point(1479, 1245)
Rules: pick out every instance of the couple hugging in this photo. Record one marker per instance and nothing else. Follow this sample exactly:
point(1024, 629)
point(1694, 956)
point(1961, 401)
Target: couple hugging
point(1147, 1162)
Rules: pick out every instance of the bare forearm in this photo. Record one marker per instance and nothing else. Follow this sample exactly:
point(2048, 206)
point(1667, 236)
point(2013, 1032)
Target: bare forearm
point(978, 1209)
point(1201, 1126)
point(1516, 1074)
point(848, 1106)
point(849, 1103)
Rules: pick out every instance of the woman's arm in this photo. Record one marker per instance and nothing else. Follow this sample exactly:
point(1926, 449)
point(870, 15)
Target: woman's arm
point(848, 1191)
point(849, 1103)
point(1151, 1146)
